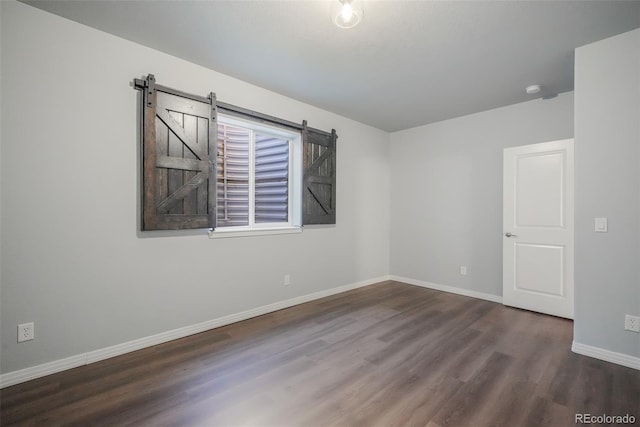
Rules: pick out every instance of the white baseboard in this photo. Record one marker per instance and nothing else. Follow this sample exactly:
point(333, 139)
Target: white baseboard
point(450, 289)
point(606, 355)
point(16, 377)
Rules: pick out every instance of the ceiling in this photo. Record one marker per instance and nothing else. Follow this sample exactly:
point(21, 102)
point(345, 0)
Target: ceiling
point(407, 64)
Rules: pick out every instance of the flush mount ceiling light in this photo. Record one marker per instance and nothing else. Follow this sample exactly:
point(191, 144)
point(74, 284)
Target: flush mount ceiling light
point(347, 13)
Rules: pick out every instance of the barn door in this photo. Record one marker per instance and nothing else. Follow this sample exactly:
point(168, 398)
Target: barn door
point(319, 182)
point(179, 145)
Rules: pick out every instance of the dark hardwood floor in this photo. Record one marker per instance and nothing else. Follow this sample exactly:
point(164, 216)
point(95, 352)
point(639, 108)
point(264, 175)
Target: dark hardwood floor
point(387, 354)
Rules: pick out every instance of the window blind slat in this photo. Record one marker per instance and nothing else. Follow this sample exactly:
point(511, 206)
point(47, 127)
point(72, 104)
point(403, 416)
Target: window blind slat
point(272, 179)
point(232, 180)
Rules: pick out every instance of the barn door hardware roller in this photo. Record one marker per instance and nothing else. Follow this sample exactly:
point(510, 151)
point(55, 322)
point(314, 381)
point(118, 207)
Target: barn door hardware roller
point(148, 85)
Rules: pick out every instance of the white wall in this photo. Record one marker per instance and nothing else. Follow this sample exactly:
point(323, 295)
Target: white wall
point(607, 132)
point(72, 258)
point(446, 191)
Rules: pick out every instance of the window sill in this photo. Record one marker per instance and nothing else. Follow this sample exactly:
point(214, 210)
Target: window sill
point(222, 234)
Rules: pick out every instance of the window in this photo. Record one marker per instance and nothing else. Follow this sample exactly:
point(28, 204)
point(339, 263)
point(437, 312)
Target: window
point(208, 164)
point(258, 175)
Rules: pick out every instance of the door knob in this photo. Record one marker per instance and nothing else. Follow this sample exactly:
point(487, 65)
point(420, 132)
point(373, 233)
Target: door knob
point(508, 234)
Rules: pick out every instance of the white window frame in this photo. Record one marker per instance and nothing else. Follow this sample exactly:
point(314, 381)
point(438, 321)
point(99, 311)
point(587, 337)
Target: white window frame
point(294, 216)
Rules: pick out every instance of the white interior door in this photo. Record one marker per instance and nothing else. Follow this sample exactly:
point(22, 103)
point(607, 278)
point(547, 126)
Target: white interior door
point(538, 227)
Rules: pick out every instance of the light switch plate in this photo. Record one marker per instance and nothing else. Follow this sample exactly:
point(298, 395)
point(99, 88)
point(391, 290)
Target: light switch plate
point(601, 225)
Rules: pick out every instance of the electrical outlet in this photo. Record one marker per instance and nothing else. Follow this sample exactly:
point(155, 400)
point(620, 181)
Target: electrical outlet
point(463, 270)
point(25, 332)
point(287, 279)
point(632, 323)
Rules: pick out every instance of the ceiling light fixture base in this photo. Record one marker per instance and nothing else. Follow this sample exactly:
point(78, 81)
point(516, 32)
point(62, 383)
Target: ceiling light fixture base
point(347, 13)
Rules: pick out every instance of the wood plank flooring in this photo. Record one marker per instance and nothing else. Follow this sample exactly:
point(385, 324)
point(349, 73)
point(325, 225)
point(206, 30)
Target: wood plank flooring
point(386, 355)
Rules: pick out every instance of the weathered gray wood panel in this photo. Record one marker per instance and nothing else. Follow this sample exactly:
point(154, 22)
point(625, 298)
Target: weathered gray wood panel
point(177, 159)
point(319, 181)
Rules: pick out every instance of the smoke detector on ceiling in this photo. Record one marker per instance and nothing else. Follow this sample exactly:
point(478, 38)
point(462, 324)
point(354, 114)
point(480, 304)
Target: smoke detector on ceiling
point(532, 89)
